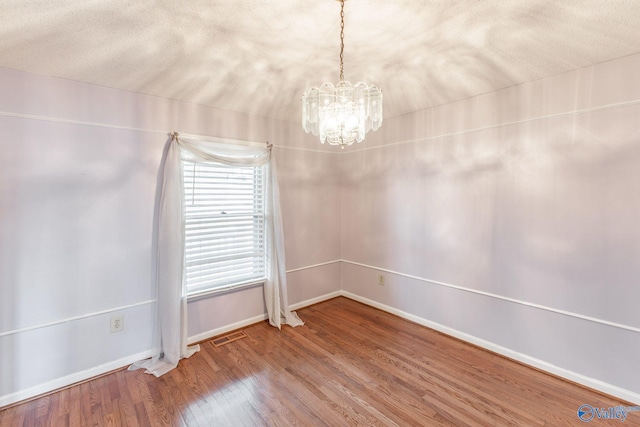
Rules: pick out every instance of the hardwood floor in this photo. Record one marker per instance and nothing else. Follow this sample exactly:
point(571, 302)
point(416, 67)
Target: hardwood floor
point(349, 365)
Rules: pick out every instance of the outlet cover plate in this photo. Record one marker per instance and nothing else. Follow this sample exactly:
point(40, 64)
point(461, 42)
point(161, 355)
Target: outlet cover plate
point(117, 323)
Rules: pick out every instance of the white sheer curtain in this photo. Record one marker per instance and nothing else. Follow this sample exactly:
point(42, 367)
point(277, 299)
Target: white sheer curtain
point(170, 330)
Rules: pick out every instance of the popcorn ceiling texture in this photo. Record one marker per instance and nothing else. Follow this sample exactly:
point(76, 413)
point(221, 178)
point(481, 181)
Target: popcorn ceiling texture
point(259, 56)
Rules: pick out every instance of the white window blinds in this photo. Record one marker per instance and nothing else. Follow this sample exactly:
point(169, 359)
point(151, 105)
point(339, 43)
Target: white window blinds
point(224, 225)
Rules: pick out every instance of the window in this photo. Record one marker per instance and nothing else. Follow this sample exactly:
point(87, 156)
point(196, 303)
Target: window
point(224, 226)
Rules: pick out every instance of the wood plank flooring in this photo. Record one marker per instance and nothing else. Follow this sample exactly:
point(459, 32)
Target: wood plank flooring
point(349, 365)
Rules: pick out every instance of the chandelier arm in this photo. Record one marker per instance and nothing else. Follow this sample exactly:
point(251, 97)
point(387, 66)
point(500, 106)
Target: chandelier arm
point(341, 40)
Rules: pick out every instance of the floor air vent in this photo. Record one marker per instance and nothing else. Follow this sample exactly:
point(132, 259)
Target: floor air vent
point(226, 339)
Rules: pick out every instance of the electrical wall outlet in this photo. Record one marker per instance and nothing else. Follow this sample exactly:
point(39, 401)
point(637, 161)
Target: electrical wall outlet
point(117, 323)
point(381, 279)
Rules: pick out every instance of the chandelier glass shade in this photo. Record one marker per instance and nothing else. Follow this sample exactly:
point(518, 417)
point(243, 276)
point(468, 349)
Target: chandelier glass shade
point(342, 114)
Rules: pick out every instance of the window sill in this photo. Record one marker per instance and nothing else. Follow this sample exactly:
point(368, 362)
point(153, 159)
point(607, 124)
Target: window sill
point(194, 296)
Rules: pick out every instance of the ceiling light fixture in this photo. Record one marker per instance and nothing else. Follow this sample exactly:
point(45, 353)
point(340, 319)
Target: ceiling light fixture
point(343, 113)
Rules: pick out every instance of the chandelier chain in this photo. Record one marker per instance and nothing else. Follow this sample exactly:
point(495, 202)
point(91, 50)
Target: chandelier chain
point(341, 40)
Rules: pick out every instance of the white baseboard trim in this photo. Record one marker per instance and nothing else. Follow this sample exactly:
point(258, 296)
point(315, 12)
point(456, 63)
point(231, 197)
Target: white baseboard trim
point(203, 336)
point(68, 380)
point(511, 354)
point(315, 300)
point(120, 363)
point(250, 321)
point(528, 360)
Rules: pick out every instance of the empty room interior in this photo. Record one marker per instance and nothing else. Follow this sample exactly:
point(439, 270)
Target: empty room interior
point(319, 212)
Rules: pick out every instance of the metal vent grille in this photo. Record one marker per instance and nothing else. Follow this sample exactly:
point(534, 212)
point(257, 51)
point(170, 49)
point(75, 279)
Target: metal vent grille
point(229, 338)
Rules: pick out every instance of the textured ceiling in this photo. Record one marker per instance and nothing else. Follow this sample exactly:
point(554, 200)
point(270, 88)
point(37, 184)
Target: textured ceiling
point(259, 56)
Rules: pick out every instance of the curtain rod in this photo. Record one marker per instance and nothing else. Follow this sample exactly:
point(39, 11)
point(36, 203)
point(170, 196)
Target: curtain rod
point(217, 139)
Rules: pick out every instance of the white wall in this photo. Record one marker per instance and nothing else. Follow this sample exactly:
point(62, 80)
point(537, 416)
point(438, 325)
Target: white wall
point(78, 177)
point(511, 219)
point(508, 219)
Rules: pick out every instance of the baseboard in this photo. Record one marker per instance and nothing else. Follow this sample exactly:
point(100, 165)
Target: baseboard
point(250, 321)
point(120, 363)
point(315, 300)
point(74, 378)
point(607, 388)
point(523, 358)
point(203, 336)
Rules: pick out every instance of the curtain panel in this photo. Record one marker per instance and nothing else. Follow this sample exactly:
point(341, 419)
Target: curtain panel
point(170, 327)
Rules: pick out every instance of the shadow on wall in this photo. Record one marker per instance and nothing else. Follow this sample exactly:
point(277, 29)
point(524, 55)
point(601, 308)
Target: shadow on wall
point(305, 167)
point(310, 202)
point(574, 190)
point(531, 210)
point(70, 242)
point(526, 147)
point(450, 156)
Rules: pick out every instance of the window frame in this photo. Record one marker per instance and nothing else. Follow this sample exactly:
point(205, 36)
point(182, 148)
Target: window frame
point(259, 172)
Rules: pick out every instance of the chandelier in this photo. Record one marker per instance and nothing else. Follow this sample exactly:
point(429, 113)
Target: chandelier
point(343, 113)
